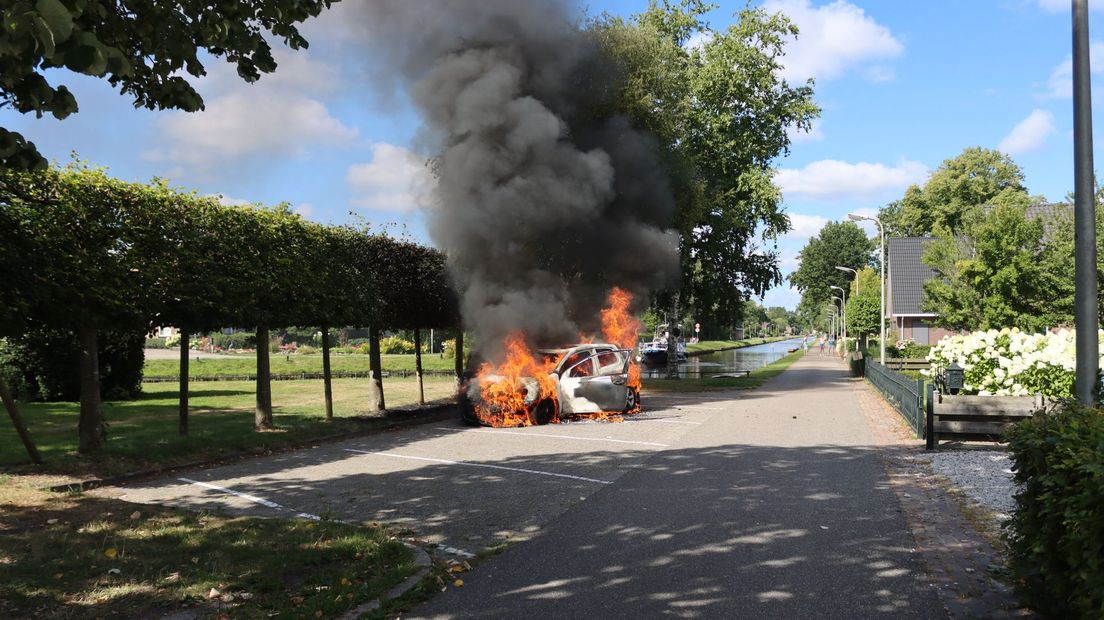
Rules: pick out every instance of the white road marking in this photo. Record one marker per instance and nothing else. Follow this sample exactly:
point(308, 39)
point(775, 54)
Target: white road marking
point(666, 420)
point(253, 498)
point(447, 462)
point(540, 434)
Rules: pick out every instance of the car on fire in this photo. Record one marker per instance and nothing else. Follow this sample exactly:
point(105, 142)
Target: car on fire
point(588, 378)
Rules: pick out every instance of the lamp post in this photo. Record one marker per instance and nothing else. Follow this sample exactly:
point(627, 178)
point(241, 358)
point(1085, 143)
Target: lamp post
point(842, 323)
point(854, 273)
point(1084, 212)
point(854, 217)
point(843, 310)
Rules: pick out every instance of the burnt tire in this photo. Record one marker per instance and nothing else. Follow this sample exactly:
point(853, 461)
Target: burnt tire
point(632, 399)
point(543, 413)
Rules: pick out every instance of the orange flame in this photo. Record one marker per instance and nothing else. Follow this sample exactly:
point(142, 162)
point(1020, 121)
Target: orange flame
point(621, 328)
point(503, 390)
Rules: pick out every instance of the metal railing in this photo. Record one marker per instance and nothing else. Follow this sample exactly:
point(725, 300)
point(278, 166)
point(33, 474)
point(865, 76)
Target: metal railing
point(910, 397)
point(297, 376)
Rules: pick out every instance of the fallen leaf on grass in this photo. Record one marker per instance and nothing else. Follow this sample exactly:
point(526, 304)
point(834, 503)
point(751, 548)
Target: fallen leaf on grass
point(172, 577)
point(113, 571)
point(459, 583)
point(345, 581)
point(296, 600)
point(135, 515)
point(51, 521)
point(111, 552)
point(213, 594)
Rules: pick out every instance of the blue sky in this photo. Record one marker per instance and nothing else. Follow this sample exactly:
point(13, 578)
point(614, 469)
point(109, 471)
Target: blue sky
point(903, 86)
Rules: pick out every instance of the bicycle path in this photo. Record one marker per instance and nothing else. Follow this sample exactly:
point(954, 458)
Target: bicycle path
point(776, 506)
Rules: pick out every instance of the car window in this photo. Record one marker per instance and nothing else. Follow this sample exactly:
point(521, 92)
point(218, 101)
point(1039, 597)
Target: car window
point(574, 358)
point(585, 368)
point(610, 363)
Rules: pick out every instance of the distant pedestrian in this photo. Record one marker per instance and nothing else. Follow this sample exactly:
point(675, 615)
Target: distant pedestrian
point(805, 345)
point(820, 343)
point(832, 345)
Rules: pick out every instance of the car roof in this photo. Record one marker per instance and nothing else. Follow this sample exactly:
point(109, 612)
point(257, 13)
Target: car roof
point(577, 347)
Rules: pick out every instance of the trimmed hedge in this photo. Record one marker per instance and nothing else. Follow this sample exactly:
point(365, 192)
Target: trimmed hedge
point(1056, 534)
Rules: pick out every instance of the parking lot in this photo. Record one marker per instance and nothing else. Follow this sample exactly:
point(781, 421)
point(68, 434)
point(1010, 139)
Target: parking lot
point(460, 487)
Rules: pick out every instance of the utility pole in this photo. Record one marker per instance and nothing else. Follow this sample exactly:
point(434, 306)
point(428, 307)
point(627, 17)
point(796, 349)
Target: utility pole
point(1085, 300)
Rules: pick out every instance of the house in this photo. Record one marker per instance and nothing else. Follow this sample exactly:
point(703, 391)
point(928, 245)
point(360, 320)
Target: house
point(906, 275)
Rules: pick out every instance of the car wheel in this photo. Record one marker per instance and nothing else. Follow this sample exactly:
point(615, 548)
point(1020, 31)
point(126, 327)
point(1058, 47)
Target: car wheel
point(632, 400)
point(543, 413)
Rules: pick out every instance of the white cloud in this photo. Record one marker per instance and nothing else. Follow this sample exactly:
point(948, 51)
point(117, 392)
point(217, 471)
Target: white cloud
point(1055, 6)
point(394, 180)
point(273, 116)
point(804, 226)
point(1060, 84)
point(1030, 134)
point(698, 40)
point(833, 39)
point(230, 201)
point(304, 209)
point(830, 179)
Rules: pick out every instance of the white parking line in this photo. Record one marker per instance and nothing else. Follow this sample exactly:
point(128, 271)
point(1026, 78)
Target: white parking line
point(540, 434)
point(252, 498)
point(447, 462)
point(665, 420)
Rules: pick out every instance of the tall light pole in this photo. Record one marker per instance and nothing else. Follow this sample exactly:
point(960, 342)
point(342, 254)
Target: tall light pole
point(1084, 211)
point(854, 217)
point(843, 310)
point(856, 274)
point(842, 331)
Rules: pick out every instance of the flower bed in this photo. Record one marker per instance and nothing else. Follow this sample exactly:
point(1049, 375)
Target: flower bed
point(1010, 362)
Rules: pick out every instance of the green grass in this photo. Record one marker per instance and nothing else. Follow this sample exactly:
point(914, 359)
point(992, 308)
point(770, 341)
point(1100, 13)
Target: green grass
point(57, 551)
point(285, 364)
point(757, 378)
point(142, 433)
point(722, 345)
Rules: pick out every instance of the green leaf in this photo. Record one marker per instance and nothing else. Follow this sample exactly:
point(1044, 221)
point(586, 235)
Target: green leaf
point(57, 17)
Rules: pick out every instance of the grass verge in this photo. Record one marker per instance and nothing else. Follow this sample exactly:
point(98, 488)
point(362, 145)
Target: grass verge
point(142, 433)
point(78, 556)
point(290, 364)
point(688, 384)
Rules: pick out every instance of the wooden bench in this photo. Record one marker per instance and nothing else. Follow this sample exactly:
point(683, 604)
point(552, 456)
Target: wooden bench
point(976, 418)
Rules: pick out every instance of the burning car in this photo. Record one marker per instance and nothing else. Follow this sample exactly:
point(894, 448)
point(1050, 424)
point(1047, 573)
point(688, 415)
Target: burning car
point(582, 379)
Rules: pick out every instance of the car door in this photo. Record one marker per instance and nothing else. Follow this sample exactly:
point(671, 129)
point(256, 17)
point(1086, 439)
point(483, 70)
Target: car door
point(606, 388)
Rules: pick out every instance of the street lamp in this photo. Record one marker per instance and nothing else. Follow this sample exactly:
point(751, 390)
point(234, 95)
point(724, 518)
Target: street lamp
point(843, 309)
point(854, 217)
point(855, 273)
point(842, 329)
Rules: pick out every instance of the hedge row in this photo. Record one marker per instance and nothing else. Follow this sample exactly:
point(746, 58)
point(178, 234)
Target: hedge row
point(1056, 534)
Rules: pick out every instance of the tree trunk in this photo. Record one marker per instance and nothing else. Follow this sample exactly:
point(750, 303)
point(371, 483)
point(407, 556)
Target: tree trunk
point(262, 418)
point(418, 365)
point(17, 422)
point(91, 426)
point(672, 339)
point(375, 385)
point(326, 383)
point(459, 356)
point(185, 340)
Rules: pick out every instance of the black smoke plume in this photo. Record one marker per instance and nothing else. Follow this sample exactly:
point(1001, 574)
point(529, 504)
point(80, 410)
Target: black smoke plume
point(545, 200)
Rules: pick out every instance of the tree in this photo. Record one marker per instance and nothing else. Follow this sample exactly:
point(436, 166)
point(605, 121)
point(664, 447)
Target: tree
point(954, 193)
point(841, 244)
point(143, 47)
point(864, 309)
point(991, 276)
point(720, 114)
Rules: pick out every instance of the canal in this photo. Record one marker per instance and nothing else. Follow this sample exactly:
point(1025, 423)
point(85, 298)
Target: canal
point(720, 362)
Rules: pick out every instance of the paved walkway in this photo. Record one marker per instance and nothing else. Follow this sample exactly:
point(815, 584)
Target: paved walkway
point(775, 506)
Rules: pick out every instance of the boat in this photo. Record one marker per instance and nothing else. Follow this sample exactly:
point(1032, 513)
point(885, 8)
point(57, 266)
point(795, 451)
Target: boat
point(654, 353)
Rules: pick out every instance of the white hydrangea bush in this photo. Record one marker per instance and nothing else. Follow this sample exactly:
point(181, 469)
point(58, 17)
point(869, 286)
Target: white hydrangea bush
point(1010, 362)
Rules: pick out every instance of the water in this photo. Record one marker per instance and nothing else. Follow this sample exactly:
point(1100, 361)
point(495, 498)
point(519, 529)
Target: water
point(747, 358)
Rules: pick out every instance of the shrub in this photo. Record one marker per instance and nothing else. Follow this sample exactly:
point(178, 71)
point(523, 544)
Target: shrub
point(307, 350)
point(155, 343)
point(1009, 362)
point(44, 365)
point(1056, 534)
point(394, 344)
point(237, 340)
point(172, 341)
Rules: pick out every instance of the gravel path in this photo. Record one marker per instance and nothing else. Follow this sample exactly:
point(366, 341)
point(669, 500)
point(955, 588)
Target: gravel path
point(984, 475)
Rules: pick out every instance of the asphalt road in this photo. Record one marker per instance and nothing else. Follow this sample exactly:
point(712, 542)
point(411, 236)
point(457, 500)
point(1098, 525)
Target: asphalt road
point(763, 504)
